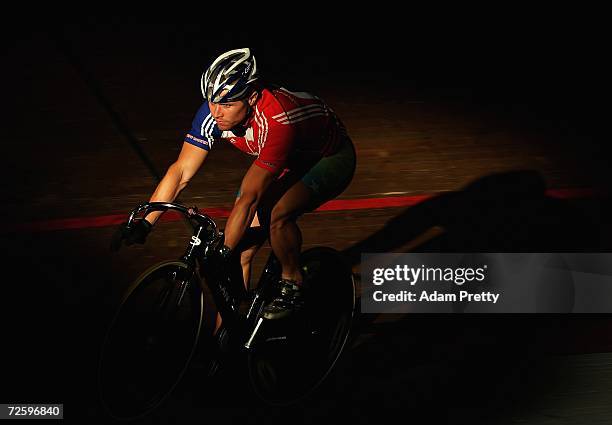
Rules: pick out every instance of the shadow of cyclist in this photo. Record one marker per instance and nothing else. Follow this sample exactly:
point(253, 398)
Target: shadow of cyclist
point(505, 212)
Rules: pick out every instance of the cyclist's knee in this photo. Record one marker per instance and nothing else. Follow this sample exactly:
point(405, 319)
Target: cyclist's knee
point(280, 216)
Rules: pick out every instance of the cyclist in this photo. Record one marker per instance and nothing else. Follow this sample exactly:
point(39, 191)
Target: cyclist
point(303, 158)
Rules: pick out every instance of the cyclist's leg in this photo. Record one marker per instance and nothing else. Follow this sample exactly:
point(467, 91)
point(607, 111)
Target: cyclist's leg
point(284, 201)
point(250, 243)
point(285, 235)
point(252, 240)
point(321, 182)
point(329, 177)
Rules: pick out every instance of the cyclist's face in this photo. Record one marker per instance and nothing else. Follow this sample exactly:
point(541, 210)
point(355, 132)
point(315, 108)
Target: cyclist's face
point(229, 114)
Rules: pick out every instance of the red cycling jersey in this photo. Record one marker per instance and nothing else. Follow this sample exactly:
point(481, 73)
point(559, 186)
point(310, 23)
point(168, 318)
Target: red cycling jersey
point(285, 128)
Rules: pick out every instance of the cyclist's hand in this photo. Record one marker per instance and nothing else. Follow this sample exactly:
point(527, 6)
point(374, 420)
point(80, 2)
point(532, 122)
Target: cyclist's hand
point(136, 234)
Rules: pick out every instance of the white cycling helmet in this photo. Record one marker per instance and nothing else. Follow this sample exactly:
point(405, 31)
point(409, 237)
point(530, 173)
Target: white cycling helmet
point(229, 77)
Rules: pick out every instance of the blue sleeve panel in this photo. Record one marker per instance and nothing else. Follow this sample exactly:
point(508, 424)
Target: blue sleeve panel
point(204, 130)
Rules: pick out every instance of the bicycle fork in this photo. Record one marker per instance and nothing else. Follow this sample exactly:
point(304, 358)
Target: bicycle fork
point(175, 283)
point(184, 284)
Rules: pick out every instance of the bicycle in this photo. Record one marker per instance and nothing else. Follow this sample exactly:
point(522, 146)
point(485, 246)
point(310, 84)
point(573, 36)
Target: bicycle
point(158, 326)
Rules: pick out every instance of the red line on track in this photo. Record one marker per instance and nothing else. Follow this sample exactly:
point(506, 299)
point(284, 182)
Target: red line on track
point(333, 205)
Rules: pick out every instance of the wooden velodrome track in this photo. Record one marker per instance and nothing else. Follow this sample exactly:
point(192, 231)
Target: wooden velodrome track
point(89, 100)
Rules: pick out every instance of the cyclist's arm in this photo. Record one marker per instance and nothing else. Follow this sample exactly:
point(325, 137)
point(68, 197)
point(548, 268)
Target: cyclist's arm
point(254, 185)
point(177, 177)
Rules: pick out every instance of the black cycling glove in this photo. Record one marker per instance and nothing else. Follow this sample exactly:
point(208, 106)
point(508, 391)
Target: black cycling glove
point(136, 234)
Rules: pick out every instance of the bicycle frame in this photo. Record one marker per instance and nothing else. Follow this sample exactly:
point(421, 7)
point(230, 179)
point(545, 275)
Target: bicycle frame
point(244, 328)
point(227, 296)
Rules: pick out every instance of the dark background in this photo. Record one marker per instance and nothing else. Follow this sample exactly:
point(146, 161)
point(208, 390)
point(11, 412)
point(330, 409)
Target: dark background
point(543, 74)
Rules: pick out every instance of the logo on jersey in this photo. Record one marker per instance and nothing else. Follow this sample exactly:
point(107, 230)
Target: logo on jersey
point(197, 140)
point(249, 134)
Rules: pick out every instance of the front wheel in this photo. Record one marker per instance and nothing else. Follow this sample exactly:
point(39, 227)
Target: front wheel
point(298, 355)
point(151, 340)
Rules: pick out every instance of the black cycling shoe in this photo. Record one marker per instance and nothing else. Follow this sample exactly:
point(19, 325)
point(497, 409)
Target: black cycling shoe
point(289, 302)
